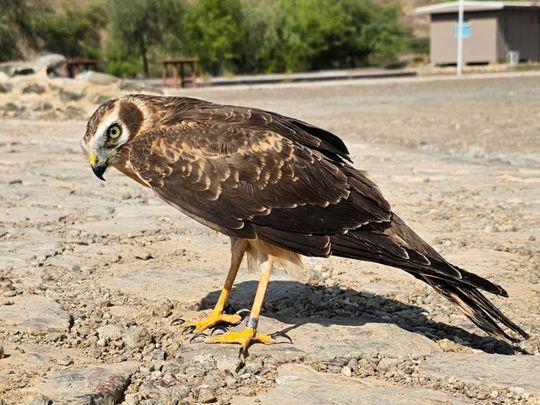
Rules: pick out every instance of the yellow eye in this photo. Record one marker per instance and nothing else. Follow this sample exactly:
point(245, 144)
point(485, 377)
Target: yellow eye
point(114, 131)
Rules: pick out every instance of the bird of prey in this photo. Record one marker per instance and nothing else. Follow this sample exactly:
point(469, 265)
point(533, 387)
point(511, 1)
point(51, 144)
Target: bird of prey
point(279, 188)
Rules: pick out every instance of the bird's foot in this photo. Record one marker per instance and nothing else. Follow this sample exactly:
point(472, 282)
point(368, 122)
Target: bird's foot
point(244, 338)
point(215, 317)
point(247, 337)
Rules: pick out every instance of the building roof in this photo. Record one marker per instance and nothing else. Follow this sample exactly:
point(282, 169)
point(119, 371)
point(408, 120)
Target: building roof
point(452, 6)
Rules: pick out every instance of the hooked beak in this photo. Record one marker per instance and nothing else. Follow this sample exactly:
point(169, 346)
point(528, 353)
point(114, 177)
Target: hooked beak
point(97, 167)
point(99, 170)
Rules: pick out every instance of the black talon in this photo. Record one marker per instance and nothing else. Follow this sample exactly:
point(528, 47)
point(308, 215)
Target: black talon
point(177, 321)
point(188, 329)
point(243, 311)
point(223, 328)
point(197, 336)
point(242, 355)
point(281, 334)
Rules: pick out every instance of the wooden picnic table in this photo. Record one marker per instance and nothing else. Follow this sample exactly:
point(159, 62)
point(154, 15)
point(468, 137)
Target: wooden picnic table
point(75, 66)
point(178, 65)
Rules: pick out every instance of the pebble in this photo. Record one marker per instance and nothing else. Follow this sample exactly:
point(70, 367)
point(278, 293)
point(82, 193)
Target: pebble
point(230, 364)
point(180, 391)
point(164, 309)
point(110, 332)
point(65, 361)
point(214, 381)
point(206, 395)
point(136, 337)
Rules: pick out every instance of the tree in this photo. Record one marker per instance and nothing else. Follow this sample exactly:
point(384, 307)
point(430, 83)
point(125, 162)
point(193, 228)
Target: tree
point(144, 28)
point(256, 51)
point(71, 30)
point(213, 33)
point(16, 30)
point(296, 35)
point(376, 34)
point(171, 15)
point(312, 32)
point(134, 27)
point(234, 36)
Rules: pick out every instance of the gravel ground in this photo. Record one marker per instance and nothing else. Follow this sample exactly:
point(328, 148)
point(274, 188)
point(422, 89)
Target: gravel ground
point(92, 274)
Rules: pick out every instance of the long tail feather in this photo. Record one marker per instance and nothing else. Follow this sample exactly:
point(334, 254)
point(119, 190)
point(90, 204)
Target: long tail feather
point(396, 245)
point(476, 307)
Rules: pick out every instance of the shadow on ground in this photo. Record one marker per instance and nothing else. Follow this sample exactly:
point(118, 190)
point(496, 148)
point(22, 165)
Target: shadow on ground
point(297, 303)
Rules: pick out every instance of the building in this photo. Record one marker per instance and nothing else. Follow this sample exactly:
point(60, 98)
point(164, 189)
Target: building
point(491, 30)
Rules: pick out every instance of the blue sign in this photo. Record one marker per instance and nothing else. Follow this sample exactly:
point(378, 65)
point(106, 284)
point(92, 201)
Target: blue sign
point(465, 30)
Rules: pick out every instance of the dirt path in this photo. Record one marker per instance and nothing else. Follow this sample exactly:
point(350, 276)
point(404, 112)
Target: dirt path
point(92, 273)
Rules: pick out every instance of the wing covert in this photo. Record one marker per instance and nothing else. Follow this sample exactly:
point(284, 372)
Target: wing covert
point(248, 181)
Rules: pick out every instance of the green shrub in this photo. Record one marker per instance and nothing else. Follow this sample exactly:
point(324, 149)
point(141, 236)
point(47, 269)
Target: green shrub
point(213, 34)
point(16, 28)
point(418, 45)
point(227, 36)
point(71, 30)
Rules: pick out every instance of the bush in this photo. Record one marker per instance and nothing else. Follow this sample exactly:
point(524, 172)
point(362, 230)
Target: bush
point(16, 29)
point(72, 30)
point(291, 35)
point(213, 33)
point(121, 63)
point(418, 45)
point(236, 36)
point(141, 29)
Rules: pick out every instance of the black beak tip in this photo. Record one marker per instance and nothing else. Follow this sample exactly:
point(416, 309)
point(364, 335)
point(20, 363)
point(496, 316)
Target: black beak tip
point(98, 171)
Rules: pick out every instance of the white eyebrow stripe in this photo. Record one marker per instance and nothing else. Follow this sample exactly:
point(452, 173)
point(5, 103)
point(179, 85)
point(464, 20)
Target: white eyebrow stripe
point(100, 136)
point(98, 140)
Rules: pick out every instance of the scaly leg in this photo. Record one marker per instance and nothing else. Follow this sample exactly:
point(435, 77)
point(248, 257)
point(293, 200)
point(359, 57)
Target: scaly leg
point(249, 334)
point(238, 248)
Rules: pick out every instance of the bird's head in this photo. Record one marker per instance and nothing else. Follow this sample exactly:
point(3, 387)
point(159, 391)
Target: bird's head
point(110, 128)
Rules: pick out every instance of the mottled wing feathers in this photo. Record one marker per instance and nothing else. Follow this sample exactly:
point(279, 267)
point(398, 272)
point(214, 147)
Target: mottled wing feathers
point(252, 182)
point(311, 136)
point(238, 178)
point(174, 110)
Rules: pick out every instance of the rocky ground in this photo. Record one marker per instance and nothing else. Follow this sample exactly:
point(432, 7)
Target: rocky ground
point(92, 274)
point(38, 96)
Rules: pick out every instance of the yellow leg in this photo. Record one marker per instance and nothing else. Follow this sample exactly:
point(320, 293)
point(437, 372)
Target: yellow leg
point(238, 248)
point(249, 334)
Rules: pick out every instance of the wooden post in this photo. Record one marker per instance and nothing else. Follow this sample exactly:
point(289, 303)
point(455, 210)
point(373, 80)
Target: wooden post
point(182, 75)
point(175, 75)
point(193, 78)
point(164, 74)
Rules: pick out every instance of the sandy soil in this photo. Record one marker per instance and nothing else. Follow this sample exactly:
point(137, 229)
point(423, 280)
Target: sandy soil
point(92, 274)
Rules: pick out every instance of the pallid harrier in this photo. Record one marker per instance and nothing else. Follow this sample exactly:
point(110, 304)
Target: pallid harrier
point(279, 188)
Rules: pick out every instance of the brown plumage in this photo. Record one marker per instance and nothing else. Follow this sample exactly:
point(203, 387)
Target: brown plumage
point(282, 184)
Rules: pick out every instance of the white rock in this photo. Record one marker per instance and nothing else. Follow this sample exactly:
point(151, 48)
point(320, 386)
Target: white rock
point(52, 60)
point(97, 78)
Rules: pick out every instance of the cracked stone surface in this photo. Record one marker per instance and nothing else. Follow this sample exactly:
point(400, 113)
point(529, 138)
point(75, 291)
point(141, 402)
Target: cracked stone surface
point(93, 274)
point(87, 384)
point(485, 369)
point(298, 384)
point(35, 315)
